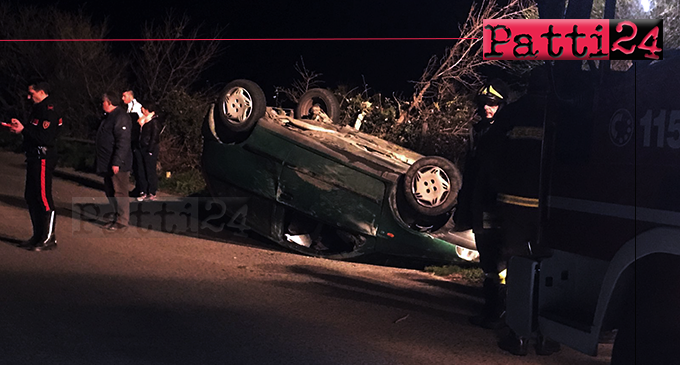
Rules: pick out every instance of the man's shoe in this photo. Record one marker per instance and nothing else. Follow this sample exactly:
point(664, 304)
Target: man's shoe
point(31, 242)
point(37, 222)
point(141, 197)
point(546, 346)
point(48, 241)
point(151, 197)
point(45, 246)
point(488, 322)
point(514, 344)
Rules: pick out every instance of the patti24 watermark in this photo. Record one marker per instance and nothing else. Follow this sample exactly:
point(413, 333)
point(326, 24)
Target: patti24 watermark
point(573, 39)
point(185, 216)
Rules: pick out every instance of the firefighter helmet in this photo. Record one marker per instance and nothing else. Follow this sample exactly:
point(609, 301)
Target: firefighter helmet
point(494, 92)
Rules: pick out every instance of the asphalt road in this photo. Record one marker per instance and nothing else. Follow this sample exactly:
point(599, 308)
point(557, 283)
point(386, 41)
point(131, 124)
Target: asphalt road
point(150, 297)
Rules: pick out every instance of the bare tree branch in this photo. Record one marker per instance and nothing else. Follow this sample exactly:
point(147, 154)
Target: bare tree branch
point(163, 66)
point(308, 80)
point(462, 61)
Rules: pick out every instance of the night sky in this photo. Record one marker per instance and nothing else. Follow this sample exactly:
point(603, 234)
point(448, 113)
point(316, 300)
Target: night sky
point(386, 66)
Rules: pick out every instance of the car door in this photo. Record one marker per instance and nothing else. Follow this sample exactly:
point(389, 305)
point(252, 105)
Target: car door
point(326, 189)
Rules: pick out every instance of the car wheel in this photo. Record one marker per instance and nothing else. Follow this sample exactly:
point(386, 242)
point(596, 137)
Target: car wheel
point(431, 185)
point(240, 105)
point(324, 97)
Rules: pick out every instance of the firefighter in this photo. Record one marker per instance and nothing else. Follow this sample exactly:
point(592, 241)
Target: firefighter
point(476, 208)
point(40, 133)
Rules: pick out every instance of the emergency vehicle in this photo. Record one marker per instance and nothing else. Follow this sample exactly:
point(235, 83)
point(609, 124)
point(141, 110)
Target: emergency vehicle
point(610, 213)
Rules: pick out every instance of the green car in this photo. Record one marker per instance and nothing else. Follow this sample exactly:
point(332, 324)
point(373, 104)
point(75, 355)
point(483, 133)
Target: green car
point(325, 190)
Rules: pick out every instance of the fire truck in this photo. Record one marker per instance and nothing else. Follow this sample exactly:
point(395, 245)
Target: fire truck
point(610, 212)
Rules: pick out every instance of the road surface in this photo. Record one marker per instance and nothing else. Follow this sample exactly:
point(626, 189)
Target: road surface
point(148, 297)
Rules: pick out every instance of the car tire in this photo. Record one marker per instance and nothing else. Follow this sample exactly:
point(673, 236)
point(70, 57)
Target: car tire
point(329, 103)
point(214, 131)
point(240, 105)
point(208, 130)
point(431, 185)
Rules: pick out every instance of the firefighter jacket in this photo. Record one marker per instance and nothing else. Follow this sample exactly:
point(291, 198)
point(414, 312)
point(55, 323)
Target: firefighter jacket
point(513, 170)
point(41, 130)
point(516, 163)
point(477, 199)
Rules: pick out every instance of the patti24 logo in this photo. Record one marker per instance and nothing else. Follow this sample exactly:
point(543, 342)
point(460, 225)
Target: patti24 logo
point(573, 39)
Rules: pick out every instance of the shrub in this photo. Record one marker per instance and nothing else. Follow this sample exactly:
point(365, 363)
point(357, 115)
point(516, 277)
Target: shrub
point(185, 183)
point(78, 155)
point(473, 275)
point(181, 142)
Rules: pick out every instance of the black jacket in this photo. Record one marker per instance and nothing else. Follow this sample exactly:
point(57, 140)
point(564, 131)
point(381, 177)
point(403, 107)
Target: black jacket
point(516, 163)
point(150, 134)
point(477, 196)
point(41, 130)
point(113, 142)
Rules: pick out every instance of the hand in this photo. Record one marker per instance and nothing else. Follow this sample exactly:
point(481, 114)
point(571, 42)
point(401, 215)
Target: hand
point(115, 169)
point(15, 126)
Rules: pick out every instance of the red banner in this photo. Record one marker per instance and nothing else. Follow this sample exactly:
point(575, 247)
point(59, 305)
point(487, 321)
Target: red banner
point(572, 39)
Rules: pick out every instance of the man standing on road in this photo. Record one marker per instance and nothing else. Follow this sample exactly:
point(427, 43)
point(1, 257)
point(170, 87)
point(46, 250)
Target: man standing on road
point(40, 134)
point(114, 158)
point(134, 110)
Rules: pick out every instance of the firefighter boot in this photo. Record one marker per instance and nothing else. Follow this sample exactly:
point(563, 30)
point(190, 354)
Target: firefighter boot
point(37, 230)
point(514, 344)
point(48, 240)
point(493, 311)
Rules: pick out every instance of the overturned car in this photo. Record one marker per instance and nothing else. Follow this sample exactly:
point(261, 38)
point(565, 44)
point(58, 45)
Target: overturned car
point(325, 190)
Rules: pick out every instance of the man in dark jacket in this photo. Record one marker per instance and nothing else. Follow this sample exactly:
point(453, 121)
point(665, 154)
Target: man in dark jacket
point(114, 158)
point(40, 135)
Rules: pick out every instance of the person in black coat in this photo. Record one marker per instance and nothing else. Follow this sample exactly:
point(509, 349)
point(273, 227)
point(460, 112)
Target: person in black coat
point(146, 153)
point(114, 158)
point(40, 134)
